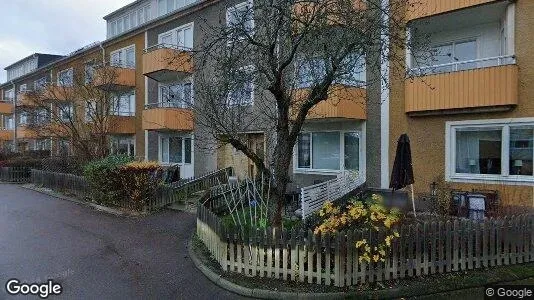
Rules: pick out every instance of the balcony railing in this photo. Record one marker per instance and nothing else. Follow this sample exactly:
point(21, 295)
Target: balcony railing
point(6, 107)
point(115, 76)
point(424, 8)
point(161, 116)
point(464, 65)
point(163, 62)
point(168, 104)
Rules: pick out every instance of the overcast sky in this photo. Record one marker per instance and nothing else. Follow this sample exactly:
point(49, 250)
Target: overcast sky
point(50, 26)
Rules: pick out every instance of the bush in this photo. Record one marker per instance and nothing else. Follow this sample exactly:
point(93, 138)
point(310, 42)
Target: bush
point(118, 181)
point(371, 215)
point(138, 182)
point(69, 164)
point(21, 162)
point(104, 179)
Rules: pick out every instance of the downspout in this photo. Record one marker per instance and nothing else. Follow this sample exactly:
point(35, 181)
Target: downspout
point(103, 54)
point(15, 123)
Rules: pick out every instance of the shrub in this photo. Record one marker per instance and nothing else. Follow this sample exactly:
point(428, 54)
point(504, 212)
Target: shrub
point(22, 161)
point(104, 179)
point(138, 183)
point(371, 215)
point(69, 164)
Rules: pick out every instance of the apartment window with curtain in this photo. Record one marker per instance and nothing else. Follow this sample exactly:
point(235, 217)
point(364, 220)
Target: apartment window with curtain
point(123, 105)
point(491, 150)
point(177, 95)
point(65, 78)
point(123, 58)
point(240, 20)
point(328, 151)
point(175, 149)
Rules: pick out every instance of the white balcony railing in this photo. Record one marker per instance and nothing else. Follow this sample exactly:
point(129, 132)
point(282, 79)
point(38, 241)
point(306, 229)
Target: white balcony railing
point(464, 65)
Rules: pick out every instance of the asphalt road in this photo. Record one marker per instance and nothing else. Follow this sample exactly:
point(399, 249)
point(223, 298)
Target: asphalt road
point(94, 255)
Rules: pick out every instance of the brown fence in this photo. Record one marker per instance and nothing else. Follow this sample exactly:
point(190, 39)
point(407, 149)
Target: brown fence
point(425, 248)
point(15, 174)
point(62, 182)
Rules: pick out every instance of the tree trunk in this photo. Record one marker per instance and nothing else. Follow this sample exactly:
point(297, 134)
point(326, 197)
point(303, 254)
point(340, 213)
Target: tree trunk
point(283, 153)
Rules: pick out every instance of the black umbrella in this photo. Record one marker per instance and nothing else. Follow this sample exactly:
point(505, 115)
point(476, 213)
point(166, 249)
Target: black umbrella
point(402, 173)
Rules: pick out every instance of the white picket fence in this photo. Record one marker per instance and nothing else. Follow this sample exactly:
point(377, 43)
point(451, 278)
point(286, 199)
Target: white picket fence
point(312, 197)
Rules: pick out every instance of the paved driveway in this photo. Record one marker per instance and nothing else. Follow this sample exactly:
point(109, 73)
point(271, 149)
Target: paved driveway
point(96, 255)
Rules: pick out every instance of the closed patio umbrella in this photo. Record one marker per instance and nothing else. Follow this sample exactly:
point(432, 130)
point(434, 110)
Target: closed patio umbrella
point(402, 173)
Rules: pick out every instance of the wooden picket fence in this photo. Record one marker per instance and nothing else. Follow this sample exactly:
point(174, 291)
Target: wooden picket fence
point(62, 182)
point(15, 174)
point(425, 248)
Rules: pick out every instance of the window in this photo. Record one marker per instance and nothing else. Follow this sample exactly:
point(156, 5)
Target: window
point(9, 123)
point(89, 71)
point(124, 58)
point(328, 151)
point(242, 91)
point(65, 77)
point(42, 145)
point(23, 118)
point(453, 52)
point(500, 150)
point(181, 37)
point(176, 95)
point(66, 112)
point(63, 147)
point(42, 116)
point(23, 88)
point(90, 111)
point(123, 145)
point(40, 84)
point(240, 20)
point(124, 105)
point(310, 72)
point(175, 149)
point(9, 95)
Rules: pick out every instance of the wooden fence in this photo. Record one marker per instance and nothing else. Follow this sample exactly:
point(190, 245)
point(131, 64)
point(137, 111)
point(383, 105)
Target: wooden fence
point(312, 197)
point(62, 182)
point(424, 248)
point(15, 174)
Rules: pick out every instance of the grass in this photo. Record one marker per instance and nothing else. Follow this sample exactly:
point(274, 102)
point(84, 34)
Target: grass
point(244, 215)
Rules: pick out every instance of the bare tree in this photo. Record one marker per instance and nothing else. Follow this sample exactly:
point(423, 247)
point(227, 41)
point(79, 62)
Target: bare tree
point(78, 108)
point(271, 63)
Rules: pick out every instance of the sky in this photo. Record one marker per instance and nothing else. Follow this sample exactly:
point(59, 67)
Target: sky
point(50, 26)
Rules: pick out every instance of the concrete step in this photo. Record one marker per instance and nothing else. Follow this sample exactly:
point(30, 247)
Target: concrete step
point(190, 207)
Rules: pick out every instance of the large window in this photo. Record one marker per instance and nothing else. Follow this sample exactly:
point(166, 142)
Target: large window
point(167, 6)
point(328, 151)
point(453, 56)
point(124, 105)
point(312, 71)
point(242, 89)
point(500, 150)
point(42, 116)
point(181, 37)
point(175, 95)
point(124, 58)
point(175, 149)
point(66, 112)
point(240, 20)
point(9, 95)
point(42, 144)
point(123, 145)
point(65, 77)
point(9, 123)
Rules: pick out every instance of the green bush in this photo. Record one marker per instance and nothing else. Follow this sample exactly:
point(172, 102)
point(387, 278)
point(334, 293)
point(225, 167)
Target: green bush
point(138, 183)
point(104, 180)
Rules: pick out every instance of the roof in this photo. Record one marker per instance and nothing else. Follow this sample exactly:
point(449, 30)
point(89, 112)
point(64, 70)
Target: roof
point(30, 56)
point(106, 17)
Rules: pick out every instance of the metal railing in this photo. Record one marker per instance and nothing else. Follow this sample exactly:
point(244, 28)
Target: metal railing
point(168, 104)
point(166, 46)
point(464, 65)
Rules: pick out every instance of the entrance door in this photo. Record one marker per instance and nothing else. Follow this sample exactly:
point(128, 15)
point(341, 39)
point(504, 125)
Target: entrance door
point(177, 149)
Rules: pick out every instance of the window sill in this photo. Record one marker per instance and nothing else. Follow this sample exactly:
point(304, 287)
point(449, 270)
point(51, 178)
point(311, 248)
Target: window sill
point(492, 179)
point(316, 172)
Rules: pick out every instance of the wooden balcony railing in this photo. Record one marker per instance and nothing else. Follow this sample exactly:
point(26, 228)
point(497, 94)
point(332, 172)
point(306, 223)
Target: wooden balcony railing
point(492, 88)
point(160, 118)
point(6, 107)
point(424, 8)
point(114, 77)
point(6, 134)
point(165, 62)
point(122, 124)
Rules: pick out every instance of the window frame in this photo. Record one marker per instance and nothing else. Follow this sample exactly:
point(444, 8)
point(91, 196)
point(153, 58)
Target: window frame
point(229, 100)
point(61, 112)
point(117, 139)
point(163, 136)
point(58, 79)
point(231, 9)
point(174, 32)
point(123, 51)
point(505, 177)
point(116, 107)
point(341, 133)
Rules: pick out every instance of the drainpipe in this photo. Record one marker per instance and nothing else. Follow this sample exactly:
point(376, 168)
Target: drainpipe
point(15, 148)
point(103, 54)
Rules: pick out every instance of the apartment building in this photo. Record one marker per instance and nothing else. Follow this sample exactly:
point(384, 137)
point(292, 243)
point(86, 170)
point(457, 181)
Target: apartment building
point(468, 109)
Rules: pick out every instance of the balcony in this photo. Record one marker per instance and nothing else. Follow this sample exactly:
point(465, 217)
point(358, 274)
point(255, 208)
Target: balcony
point(323, 11)
point(27, 99)
point(24, 132)
point(115, 77)
point(420, 9)
point(6, 134)
point(122, 124)
point(343, 102)
point(492, 88)
point(6, 107)
point(55, 92)
point(165, 63)
point(156, 117)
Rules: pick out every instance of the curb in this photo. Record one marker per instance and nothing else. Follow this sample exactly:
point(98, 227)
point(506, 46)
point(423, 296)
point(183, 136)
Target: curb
point(255, 293)
point(377, 294)
point(97, 207)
